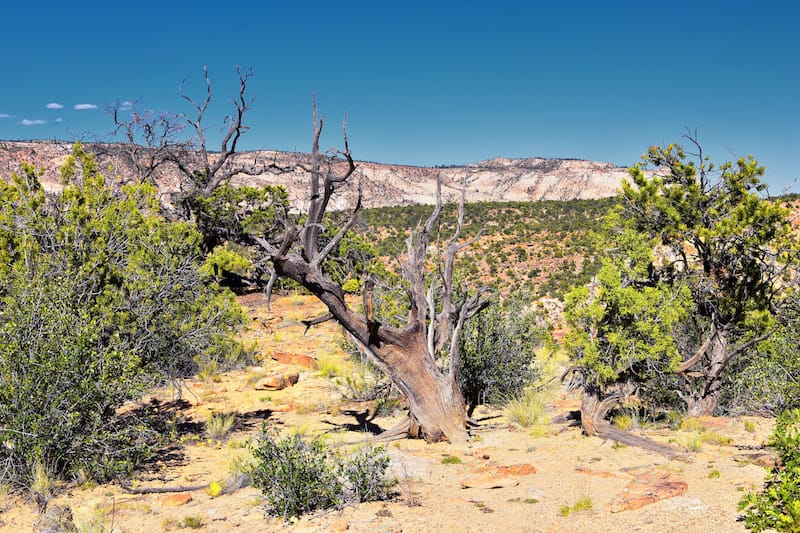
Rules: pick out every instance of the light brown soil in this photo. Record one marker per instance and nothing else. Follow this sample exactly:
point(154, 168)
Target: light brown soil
point(541, 473)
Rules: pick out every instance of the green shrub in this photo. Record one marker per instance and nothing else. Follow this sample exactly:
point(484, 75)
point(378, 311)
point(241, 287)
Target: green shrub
point(623, 421)
point(766, 379)
point(100, 298)
point(298, 476)
point(777, 506)
point(364, 471)
point(498, 351)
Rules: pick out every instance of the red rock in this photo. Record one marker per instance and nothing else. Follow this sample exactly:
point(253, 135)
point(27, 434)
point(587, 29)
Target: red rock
point(517, 470)
point(277, 381)
point(176, 500)
point(649, 487)
point(300, 360)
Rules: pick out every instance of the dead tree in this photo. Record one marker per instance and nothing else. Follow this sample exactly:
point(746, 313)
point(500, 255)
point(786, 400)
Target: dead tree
point(151, 141)
point(437, 309)
point(155, 148)
point(408, 354)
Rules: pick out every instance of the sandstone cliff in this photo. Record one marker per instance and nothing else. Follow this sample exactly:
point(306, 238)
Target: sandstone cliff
point(499, 179)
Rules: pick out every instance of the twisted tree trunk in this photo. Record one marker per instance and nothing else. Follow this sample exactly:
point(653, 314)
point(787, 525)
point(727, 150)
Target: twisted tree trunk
point(593, 413)
point(406, 354)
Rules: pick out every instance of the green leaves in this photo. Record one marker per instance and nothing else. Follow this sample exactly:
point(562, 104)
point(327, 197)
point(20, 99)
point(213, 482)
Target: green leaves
point(777, 507)
point(298, 476)
point(497, 347)
point(621, 326)
point(100, 298)
point(723, 236)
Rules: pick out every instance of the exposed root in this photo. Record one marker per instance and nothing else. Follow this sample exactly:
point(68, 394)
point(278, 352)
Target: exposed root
point(605, 430)
point(400, 431)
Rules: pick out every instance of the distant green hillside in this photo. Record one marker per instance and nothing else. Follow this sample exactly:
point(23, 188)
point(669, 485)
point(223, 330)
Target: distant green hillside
point(544, 246)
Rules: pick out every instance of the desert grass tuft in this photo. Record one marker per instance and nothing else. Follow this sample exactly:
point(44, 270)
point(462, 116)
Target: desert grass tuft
point(527, 408)
point(218, 425)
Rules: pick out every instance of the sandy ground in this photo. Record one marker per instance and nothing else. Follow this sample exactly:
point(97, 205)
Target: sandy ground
point(509, 478)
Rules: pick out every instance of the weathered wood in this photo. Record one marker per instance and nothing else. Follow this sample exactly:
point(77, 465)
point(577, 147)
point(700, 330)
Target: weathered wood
point(406, 354)
point(593, 413)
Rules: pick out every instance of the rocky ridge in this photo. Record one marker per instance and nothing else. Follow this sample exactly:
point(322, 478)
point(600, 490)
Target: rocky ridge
point(498, 179)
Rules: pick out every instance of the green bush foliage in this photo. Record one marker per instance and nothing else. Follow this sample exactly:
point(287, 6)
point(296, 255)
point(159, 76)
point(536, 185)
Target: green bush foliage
point(766, 380)
point(364, 471)
point(498, 350)
point(298, 476)
point(777, 507)
point(622, 326)
point(100, 298)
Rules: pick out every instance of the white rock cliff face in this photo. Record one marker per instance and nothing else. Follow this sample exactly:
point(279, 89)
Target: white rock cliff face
point(498, 179)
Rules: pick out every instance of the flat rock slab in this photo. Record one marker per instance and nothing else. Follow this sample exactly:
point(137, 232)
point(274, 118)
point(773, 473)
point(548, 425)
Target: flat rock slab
point(494, 476)
point(489, 481)
point(296, 359)
point(648, 487)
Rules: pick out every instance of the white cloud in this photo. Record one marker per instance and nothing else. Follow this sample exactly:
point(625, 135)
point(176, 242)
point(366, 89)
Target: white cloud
point(28, 122)
point(59, 119)
point(127, 104)
point(54, 105)
point(4, 115)
point(85, 106)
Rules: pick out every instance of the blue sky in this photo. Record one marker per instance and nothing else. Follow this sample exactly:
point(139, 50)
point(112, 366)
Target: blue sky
point(426, 83)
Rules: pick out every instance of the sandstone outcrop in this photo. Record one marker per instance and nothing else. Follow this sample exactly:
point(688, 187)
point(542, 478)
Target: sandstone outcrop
point(498, 179)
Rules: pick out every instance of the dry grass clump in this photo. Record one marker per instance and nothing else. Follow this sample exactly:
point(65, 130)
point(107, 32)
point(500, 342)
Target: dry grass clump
point(218, 425)
point(527, 408)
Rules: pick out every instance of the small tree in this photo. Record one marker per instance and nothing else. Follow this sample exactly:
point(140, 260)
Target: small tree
point(622, 325)
point(695, 273)
point(730, 246)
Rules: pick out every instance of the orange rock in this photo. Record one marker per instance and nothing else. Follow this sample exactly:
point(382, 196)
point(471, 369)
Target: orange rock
point(277, 382)
point(599, 473)
point(649, 487)
point(176, 500)
point(300, 360)
point(517, 470)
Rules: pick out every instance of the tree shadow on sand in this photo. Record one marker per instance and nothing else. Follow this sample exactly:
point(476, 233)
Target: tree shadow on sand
point(363, 424)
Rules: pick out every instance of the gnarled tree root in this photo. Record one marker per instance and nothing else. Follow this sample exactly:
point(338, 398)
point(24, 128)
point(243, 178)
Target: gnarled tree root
point(593, 413)
point(604, 430)
point(400, 431)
